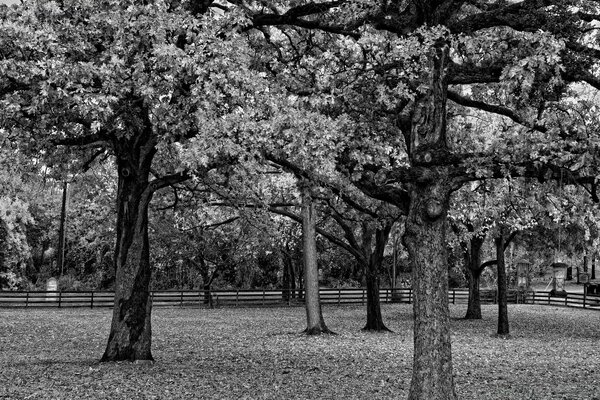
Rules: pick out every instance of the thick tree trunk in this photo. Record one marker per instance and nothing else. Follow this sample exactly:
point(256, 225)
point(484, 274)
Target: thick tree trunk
point(474, 303)
point(425, 236)
point(315, 324)
point(473, 275)
point(503, 329)
point(374, 317)
point(130, 332)
point(425, 239)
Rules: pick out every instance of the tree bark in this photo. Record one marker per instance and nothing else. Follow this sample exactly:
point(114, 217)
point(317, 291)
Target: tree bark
point(425, 239)
point(425, 235)
point(375, 258)
point(285, 281)
point(503, 329)
point(473, 275)
point(130, 332)
point(315, 324)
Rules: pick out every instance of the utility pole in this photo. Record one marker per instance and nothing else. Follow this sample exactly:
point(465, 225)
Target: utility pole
point(62, 230)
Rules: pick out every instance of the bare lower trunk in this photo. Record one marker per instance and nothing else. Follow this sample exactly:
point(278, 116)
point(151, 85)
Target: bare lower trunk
point(426, 242)
point(374, 317)
point(315, 324)
point(473, 275)
point(474, 304)
point(503, 329)
point(130, 335)
point(425, 236)
point(130, 332)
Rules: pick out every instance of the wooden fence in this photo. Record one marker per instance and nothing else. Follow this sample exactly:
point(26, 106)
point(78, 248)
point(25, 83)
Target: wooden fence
point(259, 298)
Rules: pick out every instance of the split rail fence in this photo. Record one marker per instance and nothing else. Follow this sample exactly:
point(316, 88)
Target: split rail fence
point(259, 298)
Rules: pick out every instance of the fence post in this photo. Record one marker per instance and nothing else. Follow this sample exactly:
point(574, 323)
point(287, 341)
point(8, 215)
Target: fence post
point(263, 300)
point(584, 297)
point(27, 299)
point(453, 296)
point(237, 297)
point(181, 299)
point(339, 295)
point(363, 296)
point(548, 298)
point(566, 298)
point(92, 300)
point(59, 298)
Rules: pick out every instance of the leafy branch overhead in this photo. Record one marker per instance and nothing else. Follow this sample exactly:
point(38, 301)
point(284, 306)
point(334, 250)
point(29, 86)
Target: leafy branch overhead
point(523, 61)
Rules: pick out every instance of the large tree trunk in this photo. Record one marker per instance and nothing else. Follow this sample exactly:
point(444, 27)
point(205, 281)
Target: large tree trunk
point(375, 258)
point(315, 324)
point(473, 275)
point(425, 235)
point(425, 239)
point(130, 332)
point(502, 286)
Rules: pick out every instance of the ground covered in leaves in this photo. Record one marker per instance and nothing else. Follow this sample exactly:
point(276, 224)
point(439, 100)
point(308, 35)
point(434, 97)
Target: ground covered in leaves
point(554, 353)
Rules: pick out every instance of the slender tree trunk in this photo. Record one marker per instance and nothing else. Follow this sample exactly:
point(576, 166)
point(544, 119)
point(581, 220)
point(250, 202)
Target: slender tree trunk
point(130, 332)
point(473, 278)
point(314, 315)
point(374, 317)
point(60, 260)
point(207, 296)
point(285, 281)
point(503, 329)
point(3, 250)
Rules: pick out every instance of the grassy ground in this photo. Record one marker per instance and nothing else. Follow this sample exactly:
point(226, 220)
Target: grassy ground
point(554, 353)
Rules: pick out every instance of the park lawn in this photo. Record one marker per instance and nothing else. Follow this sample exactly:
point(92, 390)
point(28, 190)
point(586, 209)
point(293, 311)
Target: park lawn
point(252, 353)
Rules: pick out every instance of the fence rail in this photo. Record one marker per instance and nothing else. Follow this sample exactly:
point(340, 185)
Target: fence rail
point(250, 298)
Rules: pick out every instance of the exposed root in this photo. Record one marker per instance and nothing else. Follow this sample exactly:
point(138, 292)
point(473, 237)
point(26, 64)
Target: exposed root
point(318, 330)
point(377, 329)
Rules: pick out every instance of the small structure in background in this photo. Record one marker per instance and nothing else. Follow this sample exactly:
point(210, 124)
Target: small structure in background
point(583, 277)
point(559, 271)
point(52, 290)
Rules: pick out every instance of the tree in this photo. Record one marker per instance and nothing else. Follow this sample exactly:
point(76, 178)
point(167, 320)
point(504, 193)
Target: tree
point(315, 324)
point(405, 47)
point(131, 79)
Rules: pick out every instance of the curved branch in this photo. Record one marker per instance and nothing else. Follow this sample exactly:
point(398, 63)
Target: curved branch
point(169, 180)
point(95, 139)
point(496, 109)
point(327, 235)
point(486, 264)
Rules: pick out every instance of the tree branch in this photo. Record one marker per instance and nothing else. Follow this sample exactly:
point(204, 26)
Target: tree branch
point(327, 235)
point(169, 180)
point(496, 109)
point(486, 264)
point(86, 140)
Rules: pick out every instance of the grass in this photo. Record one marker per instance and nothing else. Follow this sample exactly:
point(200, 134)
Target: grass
point(554, 353)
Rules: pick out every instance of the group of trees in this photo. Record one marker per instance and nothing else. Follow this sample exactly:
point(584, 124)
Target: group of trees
point(477, 119)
